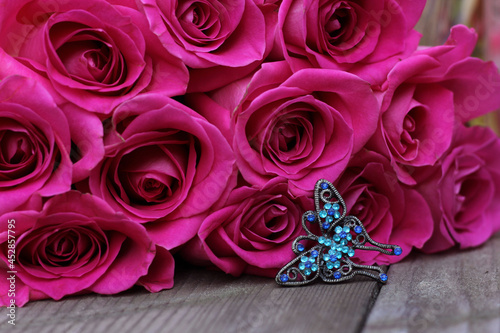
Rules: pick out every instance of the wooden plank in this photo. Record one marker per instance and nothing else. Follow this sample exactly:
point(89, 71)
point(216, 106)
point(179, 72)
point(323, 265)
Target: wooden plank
point(458, 291)
point(208, 301)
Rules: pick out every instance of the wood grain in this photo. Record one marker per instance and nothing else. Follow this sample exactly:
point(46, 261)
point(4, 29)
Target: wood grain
point(208, 301)
point(454, 292)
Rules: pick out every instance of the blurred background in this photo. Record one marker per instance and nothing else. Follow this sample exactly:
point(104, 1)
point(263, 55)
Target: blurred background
point(483, 16)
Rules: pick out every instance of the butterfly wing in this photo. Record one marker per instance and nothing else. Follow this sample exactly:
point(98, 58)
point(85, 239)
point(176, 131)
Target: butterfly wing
point(330, 207)
point(301, 270)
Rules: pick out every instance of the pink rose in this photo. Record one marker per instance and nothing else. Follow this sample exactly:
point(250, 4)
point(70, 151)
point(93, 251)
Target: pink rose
point(163, 161)
point(366, 37)
point(426, 94)
point(95, 54)
point(300, 127)
point(35, 143)
point(219, 39)
point(391, 212)
point(76, 244)
point(252, 232)
point(463, 190)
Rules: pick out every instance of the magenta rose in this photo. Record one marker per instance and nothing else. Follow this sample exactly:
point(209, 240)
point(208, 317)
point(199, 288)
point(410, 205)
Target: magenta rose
point(366, 37)
point(77, 244)
point(96, 54)
point(219, 39)
point(163, 162)
point(426, 94)
point(463, 190)
point(300, 127)
point(252, 232)
point(35, 143)
point(391, 212)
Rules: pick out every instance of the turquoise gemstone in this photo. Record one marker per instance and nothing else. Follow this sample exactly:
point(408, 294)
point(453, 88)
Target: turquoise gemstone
point(348, 237)
point(336, 238)
point(338, 229)
point(339, 255)
point(398, 251)
point(328, 242)
point(300, 247)
point(307, 271)
point(346, 229)
point(336, 206)
point(326, 257)
point(329, 219)
point(302, 266)
point(345, 249)
point(323, 214)
point(350, 253)
point(383, 277)
point(337, 275)
point(337, 214)
point(312, 259)
point(332, 253)
point(343, 241)
point(329, 265)
point(284, 278)
point(327, 206)
point(321, 240)
point(314, 268)
point(304, 259)
point(336, 264)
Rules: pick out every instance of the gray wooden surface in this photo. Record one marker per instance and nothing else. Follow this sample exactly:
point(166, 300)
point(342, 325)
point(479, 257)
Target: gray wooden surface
point(454, 292)
point(451, 292)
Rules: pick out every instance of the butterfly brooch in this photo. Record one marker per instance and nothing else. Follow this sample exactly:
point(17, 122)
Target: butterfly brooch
point(329, 256)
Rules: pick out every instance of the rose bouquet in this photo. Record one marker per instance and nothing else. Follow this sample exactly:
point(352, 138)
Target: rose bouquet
point(136, 132)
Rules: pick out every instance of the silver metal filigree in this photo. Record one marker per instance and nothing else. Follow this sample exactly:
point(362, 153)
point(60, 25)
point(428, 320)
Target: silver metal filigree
point(328, 255)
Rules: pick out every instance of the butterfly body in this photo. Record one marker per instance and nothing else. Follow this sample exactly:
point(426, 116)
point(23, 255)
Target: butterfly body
point(329, 256)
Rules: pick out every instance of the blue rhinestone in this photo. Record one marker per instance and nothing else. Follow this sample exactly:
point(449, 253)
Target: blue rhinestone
point(312, 259)
point(308, 264)
point(323, 214)
point(300, 247)
point(336, 264)
point(326, 225)
point(342, 234)
point(329, 265)
point(307, 272)
point(304, 259)
point(326, 257)
point(328, 242)
point(329, 219)
point(337, 214)
point(383, 277)
point(338, 229)
point(343, 241)
point(327, 206)
point(346, 229)
point(321, 239)
point(398, 251)
point(311, 217)
point(331, 212)
point(324, 185)
point(336, 206)
point(336, 238)
point(314, 253)
point(350, 253)
point(314, 268)
point(302, 266)
point(358, 229)
point(284, 278)
point(345, 249)
point(332, 252)
point(337, 275)
point(339, 255)
point(348, 237)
